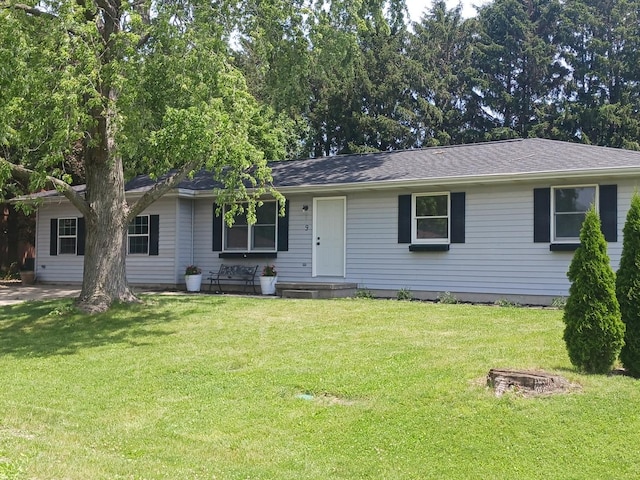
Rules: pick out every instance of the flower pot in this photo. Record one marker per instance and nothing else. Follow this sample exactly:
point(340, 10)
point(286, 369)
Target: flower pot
point(193, 282)
point(268, 285)
point(28, 277)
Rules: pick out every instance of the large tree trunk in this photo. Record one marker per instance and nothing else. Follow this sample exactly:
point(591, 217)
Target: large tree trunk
point(105, 277)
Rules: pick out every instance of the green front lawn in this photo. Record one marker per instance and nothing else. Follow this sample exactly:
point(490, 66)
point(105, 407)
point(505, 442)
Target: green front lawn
point(211, 387)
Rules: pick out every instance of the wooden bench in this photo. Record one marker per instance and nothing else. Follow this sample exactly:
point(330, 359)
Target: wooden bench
point(243, 274)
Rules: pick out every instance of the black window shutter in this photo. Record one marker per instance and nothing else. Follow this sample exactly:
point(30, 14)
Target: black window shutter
point(154, 234)
point(283, 230)
point(81, 236)
point(541, 215)
point(404, 219)
point(457, 217)
point(217, 230)
point(609, 212)
point(53, 239)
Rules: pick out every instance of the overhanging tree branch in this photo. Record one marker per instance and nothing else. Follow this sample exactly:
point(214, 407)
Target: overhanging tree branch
point(28, 9)
point(143, 40)
point(23, 173)
point(160, 188)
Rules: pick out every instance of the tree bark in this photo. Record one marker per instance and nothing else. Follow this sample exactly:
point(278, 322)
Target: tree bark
point(105, 276)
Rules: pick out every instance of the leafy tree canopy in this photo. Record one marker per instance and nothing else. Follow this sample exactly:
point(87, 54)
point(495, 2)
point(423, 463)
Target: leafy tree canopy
point(126, 87)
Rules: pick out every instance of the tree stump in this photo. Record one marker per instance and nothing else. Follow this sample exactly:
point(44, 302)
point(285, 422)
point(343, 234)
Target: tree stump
point(526, 382)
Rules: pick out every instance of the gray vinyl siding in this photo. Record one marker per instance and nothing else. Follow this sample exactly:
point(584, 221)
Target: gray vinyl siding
point(157, 269)
point(56, 268)
point(141, 269)
point(294, 264)
point(498, 257)
point(204, 256)
point(185, 235)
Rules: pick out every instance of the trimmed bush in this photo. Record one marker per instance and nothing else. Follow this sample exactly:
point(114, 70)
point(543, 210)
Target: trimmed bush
point(628, 288)
point(594, 332)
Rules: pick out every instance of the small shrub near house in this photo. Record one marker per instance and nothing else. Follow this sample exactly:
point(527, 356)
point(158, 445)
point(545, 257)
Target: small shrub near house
point(628, 288)
point(448, 298)
point(594, 332)
point(404, 294)
point(364, 293)
point(559, 302)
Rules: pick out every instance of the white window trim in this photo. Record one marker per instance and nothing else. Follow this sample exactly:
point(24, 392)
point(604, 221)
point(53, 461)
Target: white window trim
point(148, 235)
point(414, 223)
point(60, 236)
point(225, 228)
point(596, 200)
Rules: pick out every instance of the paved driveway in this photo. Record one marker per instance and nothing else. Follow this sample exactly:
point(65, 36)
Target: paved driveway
point(12, 293)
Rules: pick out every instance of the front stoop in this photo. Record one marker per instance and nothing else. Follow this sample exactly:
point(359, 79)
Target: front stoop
point(299, 294)
point(315, 290)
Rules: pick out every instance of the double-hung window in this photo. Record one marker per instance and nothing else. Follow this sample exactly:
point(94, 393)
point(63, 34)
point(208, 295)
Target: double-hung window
point(569, 207)
point(430, 222)
point(67, 235)
point(259, 237)
point(138, 236)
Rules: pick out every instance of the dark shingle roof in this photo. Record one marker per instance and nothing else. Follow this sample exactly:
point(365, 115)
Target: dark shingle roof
point(491, 159)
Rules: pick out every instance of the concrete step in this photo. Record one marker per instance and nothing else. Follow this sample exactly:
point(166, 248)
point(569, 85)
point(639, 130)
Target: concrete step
point(320, 289)
point(299, 294)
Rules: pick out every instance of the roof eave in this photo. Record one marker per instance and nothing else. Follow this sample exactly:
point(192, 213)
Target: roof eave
point(529, 177)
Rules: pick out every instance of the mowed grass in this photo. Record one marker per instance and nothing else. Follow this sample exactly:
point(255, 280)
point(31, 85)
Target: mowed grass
point(217, 387)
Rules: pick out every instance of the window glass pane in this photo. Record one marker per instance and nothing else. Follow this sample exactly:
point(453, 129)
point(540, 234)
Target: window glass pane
point(236, 237)
point(266, 214)
point(240, 219)
point(574, 199)
point(568, 225)
point(429, 206)
point(259, 236)
point(139, 244)
point(139, 226)
point(429, 228)
point(67, 227)
point(67, 245)
point(264, 237)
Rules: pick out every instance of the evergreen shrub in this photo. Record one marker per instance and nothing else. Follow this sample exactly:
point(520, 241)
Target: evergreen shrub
point(628, 288)
point(594, 332)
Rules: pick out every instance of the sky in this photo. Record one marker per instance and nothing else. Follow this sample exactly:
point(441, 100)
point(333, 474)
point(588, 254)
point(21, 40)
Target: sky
point(417, 7)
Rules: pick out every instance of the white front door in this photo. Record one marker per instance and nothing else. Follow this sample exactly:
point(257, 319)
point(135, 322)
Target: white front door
point(329, 236)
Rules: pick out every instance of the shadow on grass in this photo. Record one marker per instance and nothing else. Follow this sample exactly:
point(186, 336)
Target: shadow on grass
point(47, 328)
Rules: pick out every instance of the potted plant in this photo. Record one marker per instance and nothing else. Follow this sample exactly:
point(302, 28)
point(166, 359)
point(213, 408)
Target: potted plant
point(193, 278)
point(268, 280)
point(27, 271)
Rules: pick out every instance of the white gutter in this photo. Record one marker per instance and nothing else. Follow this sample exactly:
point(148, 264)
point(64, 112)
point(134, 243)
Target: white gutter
point(551, 176)
point(193, 220)
point(35, 247)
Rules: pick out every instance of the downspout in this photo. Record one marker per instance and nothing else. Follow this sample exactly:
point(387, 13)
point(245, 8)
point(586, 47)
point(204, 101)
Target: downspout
point(193, 219)
point(35, 246)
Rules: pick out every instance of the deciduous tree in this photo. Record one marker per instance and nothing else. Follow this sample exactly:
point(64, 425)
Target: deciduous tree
point(142, 87)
